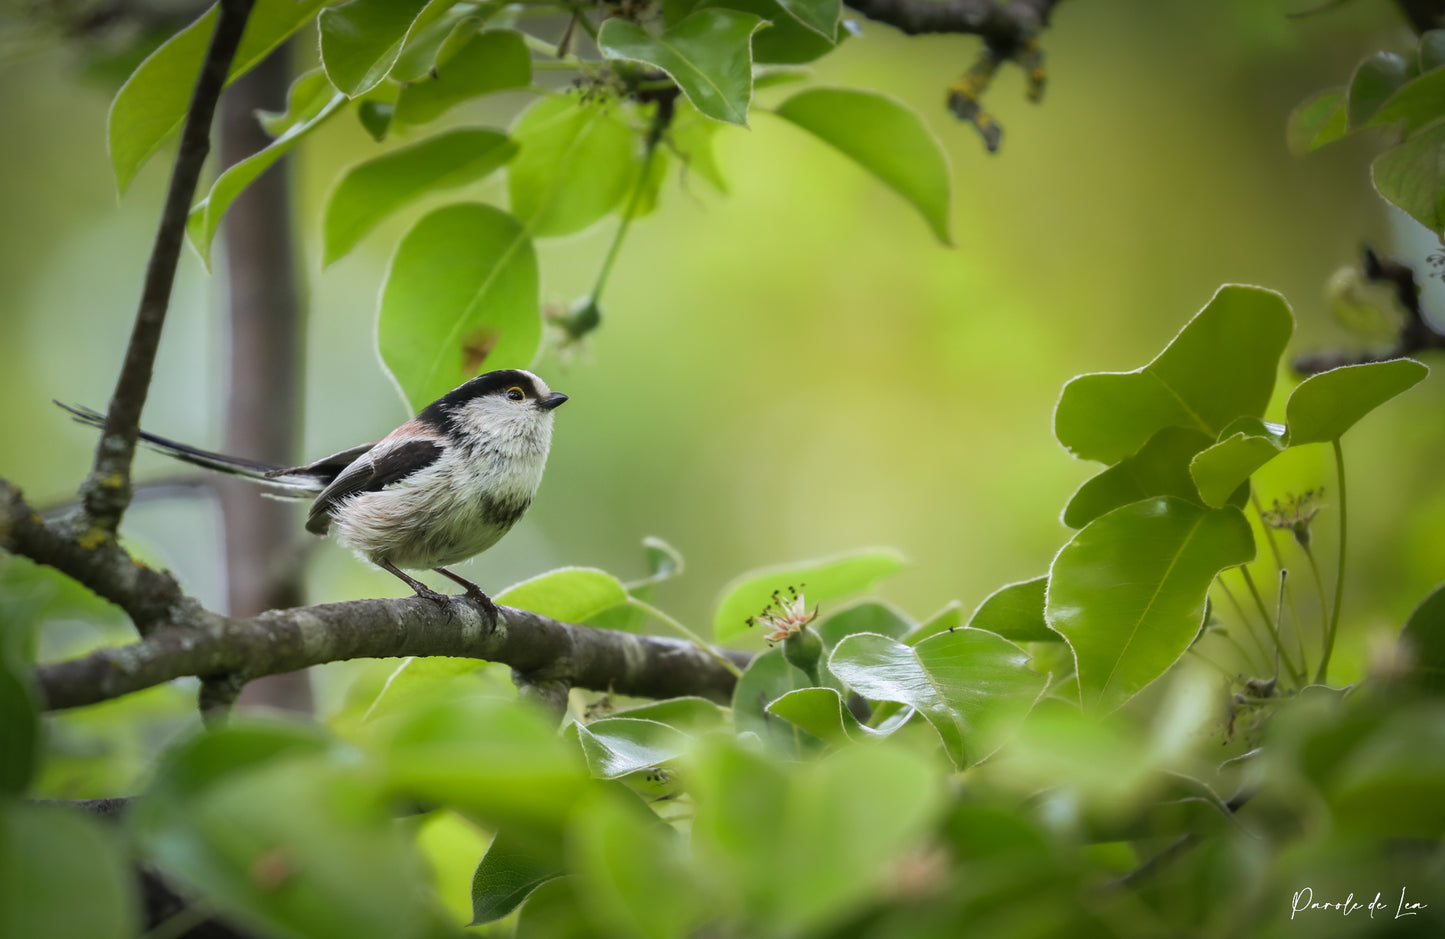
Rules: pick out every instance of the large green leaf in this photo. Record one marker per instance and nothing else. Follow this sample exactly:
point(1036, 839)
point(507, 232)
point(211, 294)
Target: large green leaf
point(821, 16)
point(786, 42)
point(1418, 102)
point(492, 760)
point(1376, 78)
point(865, 616)
point(205, 217)
point(635, 873)
point(151, 105)
point(972, 686)
point(482, 63)
point(804, 844)
point(617, 746)
point(371, 191)
point(570, 594)
point(508, 874)
point(1411, 176)
point(1326, 405)
point(1160, 468)
point(1423, 639)
point(708, 54)
point(360, 40)
point(461, 296)
point(574, 166)
point(62, 876)
point(1220, 367)
point(821, 581)
point(885, 137)
point(294, 840)
point(1128, 592)
point(1243, 447)
point(1319, 120)
point(1016, 612)
point(767, 678)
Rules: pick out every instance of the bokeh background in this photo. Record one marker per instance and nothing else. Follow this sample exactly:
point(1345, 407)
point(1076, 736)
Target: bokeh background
point(795, 368)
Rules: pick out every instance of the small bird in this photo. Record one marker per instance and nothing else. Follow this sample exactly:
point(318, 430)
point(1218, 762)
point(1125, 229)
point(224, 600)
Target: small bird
point(441, 488)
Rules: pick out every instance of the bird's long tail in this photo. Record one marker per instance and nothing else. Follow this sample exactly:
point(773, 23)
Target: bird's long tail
point(281, 482)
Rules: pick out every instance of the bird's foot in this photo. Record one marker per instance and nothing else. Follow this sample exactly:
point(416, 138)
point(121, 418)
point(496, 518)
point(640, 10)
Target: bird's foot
point(485, 602)
point(426, 593)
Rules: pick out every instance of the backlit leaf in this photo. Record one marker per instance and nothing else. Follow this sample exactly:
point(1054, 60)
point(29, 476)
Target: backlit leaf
point(885, 137)
point(1244, 447)
point(1326, 405)
point(570, 594)
point(820, 581)
point(1016, 612)
point(461, 297)
point(360, 40)
point(1411, 176)
point(574, 166)
point(1160, 468)
point(370, 191)
point(1219, 368)
point(1374, 81)
point(482, 63)
point(1319, 120)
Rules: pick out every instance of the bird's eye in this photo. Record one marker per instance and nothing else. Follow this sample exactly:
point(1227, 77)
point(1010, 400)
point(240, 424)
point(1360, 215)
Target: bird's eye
point(515, 394)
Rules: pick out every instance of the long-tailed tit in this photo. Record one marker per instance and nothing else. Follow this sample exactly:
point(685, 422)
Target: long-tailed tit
point(441, 488)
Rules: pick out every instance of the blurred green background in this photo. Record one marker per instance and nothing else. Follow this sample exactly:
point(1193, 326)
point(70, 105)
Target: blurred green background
point(796, 368)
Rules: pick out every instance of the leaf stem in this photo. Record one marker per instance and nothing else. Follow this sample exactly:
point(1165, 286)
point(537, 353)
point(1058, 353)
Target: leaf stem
point(661, 118)
point(1245, 621)
point(1324, 669)
point(1294, 673)
point(1289, 590)
point(686, 633)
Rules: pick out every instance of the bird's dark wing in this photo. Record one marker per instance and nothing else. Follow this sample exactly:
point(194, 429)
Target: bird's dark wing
point(371, 472)
point(327, 468)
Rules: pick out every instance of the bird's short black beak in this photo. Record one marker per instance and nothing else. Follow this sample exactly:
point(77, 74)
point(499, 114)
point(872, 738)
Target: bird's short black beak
point(551, 401)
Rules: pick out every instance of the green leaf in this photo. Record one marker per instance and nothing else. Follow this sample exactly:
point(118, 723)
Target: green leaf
point(663, 563)
point(493, 760)
point(1326, 405)
point(1160, 468)
point(483, 63)
point(822, 713)
point(617, 746)
point(865, 616)
point(1417, 103)
point(62, 876)
point(554, 911)
point(508, 874)
point(1375, 79)
point(360, 40)
point(19, 722)
point(1318, 120)
point(375, 117)
point(634, 872)
point(821, 16)
point(1128, 592)
point(1410, 176)
point(1016, 612)
point(278, 834)
point(974, 687)
point(950, 617)
point(689, 714)
point(570, 594)
point(417, 677)
point(691, 136)
point(371, 191)
point(786, 42)
point(307, 96)
point(766, 679)
point(1220, 470)
point(1423, 639)
point(574, 166)
point(821, 581)
point(423, 48)
point(885, 137)
point(461, 296)
point(708, 54)
point(1220, 367)
point(805, 844)
point(151, 105)
point(205, 217)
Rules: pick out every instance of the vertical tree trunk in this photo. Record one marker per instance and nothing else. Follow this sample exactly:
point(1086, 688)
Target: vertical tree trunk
point(263, 405)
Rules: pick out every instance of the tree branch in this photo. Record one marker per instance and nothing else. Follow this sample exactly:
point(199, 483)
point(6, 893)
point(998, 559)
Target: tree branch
point(544, 650)
point(107, 491)
point(189, 640)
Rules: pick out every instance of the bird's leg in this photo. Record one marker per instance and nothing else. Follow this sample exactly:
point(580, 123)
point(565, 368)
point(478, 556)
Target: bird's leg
point(473, 591)
point(422, 590)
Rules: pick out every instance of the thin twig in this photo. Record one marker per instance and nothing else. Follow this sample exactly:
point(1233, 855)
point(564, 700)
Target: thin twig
point(107, 491)
point(1323, 674)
